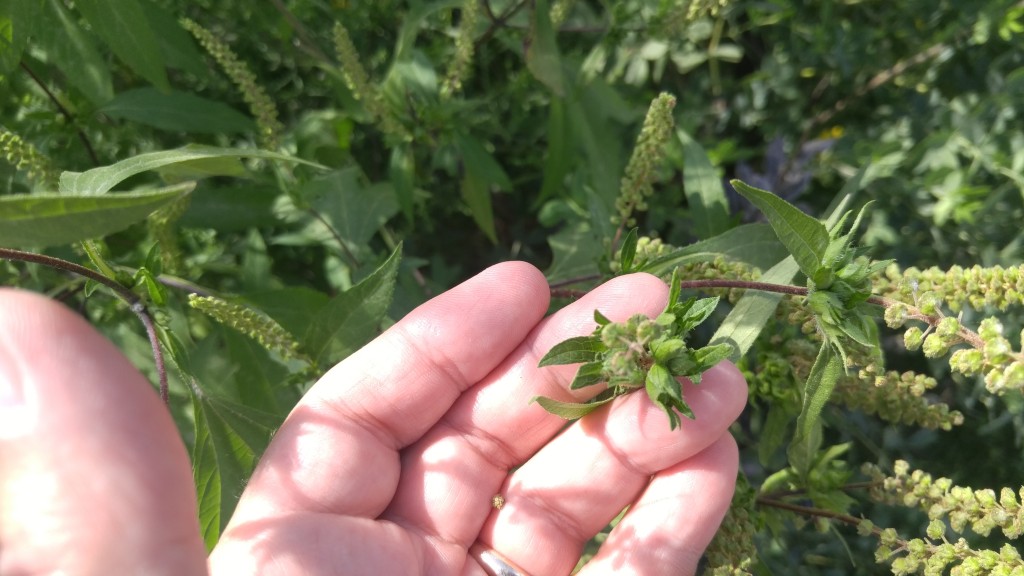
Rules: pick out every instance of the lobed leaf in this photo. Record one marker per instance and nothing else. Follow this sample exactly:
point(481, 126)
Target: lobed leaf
point(352, 318)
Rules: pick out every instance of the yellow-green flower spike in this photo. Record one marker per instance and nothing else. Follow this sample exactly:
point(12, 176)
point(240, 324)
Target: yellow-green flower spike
point(26, 158)
point(646, 159)
point(250, 322)
point(260, 104)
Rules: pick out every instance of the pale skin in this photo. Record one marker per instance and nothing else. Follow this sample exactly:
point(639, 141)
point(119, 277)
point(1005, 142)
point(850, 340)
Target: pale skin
point(387, 466)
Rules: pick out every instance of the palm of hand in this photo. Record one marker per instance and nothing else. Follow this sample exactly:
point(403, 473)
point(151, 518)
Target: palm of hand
point(389, 464)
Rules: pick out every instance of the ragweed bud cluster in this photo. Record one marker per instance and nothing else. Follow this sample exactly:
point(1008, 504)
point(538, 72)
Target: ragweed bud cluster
point(459, 66)
point(161, 225)
point(260, 104)
point(1003, 367)
point(646, 159)
point(896, 397)
point(981, 510)
point(685, 12)
point(645, 352)
point(26, 158)
point(957, 287)
point(250, 322)
point(358, 82)
point(560, 11)
point(732, 551)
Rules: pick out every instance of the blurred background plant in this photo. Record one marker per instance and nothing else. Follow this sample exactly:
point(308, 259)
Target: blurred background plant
point(442, 136)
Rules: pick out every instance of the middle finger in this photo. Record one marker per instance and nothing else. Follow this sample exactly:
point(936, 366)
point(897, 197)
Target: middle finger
point(450, 475)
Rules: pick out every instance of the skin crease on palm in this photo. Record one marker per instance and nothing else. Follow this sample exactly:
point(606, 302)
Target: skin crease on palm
point(387, 466)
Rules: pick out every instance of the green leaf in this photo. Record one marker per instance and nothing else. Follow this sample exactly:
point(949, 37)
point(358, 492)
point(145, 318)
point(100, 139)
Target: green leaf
point(806, 238)
point(575, 251)
point(749, 316)
point(231, 208)
point(754, 244)
point(354, 211)
point(773, 433)
point(705, 196)
point(177, 46)
point(295, 308)
point(72, 51)
point(675, 288)
point(588, 375)
point(708, 356)
point(414, 20)
point(692, 314)
point(123, 25)
point(229, 439)
point(569, 410)
point(402, 172)
point(664, 349)
point(542, 58)
point(559, 156)
point(825, 373)
point(481, 173)
point(352, 318)
point(628, 252)
point(574, 350)
point(176, 112)
point(19, 21)
point(101, 180)
point(50, 219)
point(664, 390)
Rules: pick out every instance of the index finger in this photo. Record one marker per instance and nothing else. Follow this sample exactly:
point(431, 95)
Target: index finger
point(338, 450)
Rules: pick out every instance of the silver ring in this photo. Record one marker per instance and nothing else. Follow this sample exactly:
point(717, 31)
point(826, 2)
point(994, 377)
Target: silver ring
point(493, 563)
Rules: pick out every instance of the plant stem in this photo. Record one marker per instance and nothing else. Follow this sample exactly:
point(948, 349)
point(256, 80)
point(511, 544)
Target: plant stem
point(816, 512)
point(64, 112)
point(133, 301)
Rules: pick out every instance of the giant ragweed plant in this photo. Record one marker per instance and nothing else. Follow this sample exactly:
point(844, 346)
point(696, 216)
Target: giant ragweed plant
point(480, 99)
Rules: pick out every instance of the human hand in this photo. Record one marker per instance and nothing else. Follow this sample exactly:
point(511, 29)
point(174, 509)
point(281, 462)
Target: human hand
point(387, 466)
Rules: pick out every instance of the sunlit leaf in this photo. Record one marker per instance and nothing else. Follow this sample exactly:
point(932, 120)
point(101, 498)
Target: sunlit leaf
point(748, 317)
point(52, 219)
point(825, 373)
point(705, 196)
point(101, 180)
point(806, 238)
point(573, 351)
point(352, 318)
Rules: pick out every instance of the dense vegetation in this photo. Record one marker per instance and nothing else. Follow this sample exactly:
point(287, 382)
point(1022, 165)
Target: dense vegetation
point(288, 177)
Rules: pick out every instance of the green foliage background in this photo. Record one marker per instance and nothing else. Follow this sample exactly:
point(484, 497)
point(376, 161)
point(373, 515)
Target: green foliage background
point(371, 196)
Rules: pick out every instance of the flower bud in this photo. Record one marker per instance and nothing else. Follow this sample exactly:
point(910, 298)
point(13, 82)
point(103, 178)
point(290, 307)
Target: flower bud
point(896, 315)
point(912, 338)
point(934, 346)
point(947, 328)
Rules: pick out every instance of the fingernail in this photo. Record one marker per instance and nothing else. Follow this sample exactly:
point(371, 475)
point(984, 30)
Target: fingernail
point(14, 411)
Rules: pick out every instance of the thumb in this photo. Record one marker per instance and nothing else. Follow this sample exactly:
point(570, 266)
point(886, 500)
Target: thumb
point(93, 476)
